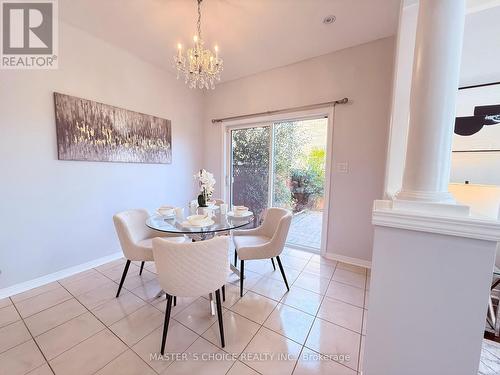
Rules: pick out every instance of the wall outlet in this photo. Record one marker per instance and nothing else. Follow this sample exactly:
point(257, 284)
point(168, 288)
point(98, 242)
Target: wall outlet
point(343, 167)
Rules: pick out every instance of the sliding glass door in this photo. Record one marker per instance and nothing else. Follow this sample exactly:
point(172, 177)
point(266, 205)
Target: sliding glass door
point(282, 164)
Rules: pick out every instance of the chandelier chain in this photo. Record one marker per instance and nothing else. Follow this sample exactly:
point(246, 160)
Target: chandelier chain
point(199, 18)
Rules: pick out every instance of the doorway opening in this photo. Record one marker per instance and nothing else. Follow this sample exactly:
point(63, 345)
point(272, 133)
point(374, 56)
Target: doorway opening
point(282, 164)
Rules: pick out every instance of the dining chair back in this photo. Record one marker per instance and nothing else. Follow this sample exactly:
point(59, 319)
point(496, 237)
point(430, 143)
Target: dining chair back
point(191, 269)
point(131, 229)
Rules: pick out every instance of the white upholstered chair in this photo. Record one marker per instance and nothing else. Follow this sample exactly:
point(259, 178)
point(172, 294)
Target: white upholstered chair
point(191, 269)
point(265, 242)
point(136, 238)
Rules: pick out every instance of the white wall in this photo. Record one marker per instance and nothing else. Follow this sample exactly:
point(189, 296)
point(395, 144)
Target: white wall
point(56, 214)
point(362, 73)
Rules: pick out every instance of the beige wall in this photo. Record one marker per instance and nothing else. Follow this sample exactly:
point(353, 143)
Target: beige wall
point(363, 74)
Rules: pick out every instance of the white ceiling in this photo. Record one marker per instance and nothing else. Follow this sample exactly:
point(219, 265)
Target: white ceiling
point(253, 35)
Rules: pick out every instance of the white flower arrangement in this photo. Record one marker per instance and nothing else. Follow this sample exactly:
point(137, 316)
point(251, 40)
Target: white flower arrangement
point(206, 181)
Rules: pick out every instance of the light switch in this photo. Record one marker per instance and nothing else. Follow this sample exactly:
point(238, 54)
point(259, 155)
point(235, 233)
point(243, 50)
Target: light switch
point(343, 167)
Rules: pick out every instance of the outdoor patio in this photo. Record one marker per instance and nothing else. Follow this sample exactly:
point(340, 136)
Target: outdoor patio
point(306, 229)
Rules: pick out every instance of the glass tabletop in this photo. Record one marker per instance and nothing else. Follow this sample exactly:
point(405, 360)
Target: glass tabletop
point(174, 224)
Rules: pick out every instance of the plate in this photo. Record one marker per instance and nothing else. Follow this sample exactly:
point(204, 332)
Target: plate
point(205, 224)
point(246, 214)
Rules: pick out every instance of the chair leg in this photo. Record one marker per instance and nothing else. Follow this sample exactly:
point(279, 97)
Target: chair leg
point(165, 324)
point(125, 270)
point(282, 272)
point(274, 266)
point(223, 293)
point(175, 301)
point(235, 258)
point(142, 267)
point(242, 274)
point(219, 317)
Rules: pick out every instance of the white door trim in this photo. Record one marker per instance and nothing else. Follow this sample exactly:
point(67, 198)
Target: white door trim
point(267, 120)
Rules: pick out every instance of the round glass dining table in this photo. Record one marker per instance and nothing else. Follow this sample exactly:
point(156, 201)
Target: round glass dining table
point(179, 225)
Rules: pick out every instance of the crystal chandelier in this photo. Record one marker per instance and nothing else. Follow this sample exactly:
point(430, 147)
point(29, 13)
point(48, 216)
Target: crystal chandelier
point(201, 68)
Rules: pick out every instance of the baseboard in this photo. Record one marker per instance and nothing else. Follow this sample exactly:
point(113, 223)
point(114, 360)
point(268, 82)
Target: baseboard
point(349, 260)
point(39, 281)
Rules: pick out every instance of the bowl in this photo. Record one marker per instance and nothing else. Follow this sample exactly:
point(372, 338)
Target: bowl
point(197, 219)
point(166, 211)
point(240, 210)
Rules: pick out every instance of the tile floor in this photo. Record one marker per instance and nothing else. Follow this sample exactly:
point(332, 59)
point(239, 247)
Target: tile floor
point(77, 326)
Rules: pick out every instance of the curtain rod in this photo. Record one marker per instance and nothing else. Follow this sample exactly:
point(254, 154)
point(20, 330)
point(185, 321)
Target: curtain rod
point(267, 113)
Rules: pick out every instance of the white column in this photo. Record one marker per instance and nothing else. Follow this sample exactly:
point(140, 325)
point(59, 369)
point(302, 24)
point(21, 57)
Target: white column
point(436, 69)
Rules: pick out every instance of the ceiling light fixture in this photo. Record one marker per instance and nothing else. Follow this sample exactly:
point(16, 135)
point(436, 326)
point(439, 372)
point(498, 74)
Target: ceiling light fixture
point(329, 19)
point(201, 68)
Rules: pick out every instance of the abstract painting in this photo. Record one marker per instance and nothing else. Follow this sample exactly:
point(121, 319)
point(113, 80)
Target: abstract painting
point(92, 131)
point(477, 125)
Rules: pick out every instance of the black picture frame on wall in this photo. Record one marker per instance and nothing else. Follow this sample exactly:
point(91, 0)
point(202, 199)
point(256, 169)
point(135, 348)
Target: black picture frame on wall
point(477, 123)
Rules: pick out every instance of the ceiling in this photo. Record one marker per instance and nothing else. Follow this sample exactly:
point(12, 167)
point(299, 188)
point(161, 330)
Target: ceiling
point(253, 35)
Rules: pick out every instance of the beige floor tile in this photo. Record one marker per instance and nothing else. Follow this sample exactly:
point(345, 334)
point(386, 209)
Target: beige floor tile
point(179, 338)
point(201, 360)
point(341, 313)
point(291, 274)
point(35, 291)
point(349, 278)
point(292, 262)
point(281, 353)
point(297, 253)
point(116, 272)
point(331, 339)
point(197, 316)
point(52, 317)
point(138, 325)
point(65, 336)
point(5, 302)
point(251, 278)
point(8, 315)
point(112, 264)
point(96, 297)
point(302, 299)
point(271, 288)
point(182, 303)
point(134, 280)
point(290, 322)
point(118, 308)
point(232, 295)
point(316, 258)
point(320, 269)
point(351, 267)
point(42, 370)
point(148, 290)
point(21, 359)
point(312, 282)
point(78, 276)
point(89, 356)
point(260, 266)
point(13, 335)
point(254, 307)
point(367, 298)
point(127, 363)
point(151, 267)
point(312, 363)
point(239, 368)
point(86, 284)
point(347, 293)
point(41, 302)
point(238, 331)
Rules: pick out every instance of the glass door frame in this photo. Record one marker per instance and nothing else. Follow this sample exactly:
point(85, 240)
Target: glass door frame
point(268, 120)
